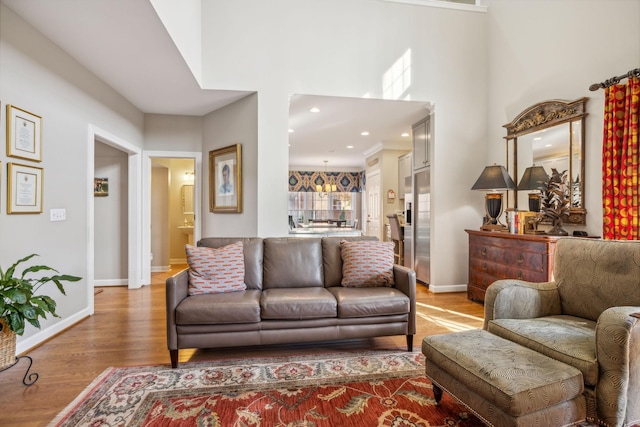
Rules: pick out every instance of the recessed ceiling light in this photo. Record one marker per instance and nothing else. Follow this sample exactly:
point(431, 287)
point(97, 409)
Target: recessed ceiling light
point(365, 133)
point(549, 145)
point(537, 138)
point(349, 146)
point(404, 135)
point(315, 110)
point(290, 130)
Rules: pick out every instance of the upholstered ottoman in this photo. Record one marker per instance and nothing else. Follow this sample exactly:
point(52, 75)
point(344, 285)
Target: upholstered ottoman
point(503, 383)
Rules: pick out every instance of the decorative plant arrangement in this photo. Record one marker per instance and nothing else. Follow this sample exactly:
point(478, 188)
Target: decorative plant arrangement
point(19, 302)
point(555, 201)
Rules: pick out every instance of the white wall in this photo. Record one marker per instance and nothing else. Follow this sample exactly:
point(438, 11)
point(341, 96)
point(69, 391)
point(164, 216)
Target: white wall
point(110, 218)
point(164, 132)
point(37, 76)
point(581, 42)
point(339, 48)
point(236, 124)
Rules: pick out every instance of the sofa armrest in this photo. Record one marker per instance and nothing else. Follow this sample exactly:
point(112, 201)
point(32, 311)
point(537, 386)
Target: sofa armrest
point(518, 299)
point(405, 281)
point(177, 289)
point(618, 354)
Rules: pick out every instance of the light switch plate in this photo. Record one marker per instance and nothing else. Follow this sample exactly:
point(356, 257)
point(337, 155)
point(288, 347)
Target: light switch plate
point(58, 214)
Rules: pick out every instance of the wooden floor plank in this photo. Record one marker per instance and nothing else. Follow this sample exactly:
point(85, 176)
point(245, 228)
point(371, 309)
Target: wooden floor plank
point(128, 329)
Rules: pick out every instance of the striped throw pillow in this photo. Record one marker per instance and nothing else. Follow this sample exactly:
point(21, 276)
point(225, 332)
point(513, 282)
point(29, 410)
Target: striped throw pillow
point(214, 270)
point(367, 263)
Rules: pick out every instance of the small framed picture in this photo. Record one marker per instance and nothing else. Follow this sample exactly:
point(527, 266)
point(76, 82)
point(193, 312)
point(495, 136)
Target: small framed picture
point(24, 189)
point(225, 179)
point(100, 187)
point(24, 134)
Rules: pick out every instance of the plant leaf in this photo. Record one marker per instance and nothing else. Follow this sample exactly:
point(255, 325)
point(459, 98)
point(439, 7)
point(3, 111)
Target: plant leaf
point(16, 295)
point(16, 323)
point(11, 269)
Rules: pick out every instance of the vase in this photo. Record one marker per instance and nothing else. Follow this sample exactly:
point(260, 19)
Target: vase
point(7, 346)
point(557, 229)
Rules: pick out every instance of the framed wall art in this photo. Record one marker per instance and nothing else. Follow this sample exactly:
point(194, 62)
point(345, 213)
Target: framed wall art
point(225, 179)
point(100, 187)
point(24, 189)
point(24, 134)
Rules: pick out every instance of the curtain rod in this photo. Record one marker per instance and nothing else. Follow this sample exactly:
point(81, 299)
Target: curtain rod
point(614, 80)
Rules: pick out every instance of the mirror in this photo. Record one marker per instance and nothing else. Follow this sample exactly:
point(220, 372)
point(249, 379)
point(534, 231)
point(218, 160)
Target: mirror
point(187, 199)
point(550, 134)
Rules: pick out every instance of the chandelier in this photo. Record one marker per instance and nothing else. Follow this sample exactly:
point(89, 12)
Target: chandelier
point(329, 185)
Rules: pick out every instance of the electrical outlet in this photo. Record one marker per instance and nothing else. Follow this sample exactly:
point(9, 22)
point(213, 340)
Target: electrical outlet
point(58, 214)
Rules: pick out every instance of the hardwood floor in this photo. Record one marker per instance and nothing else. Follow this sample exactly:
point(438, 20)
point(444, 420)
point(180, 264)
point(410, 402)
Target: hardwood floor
point(128, 329)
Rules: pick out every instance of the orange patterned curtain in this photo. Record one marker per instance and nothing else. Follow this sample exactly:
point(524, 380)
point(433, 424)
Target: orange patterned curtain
point(620, 161)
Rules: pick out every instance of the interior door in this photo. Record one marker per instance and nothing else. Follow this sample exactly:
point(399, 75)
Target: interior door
point(373, 205)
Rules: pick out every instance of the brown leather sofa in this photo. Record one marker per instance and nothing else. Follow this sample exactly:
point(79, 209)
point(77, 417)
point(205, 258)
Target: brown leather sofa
point(293, 294)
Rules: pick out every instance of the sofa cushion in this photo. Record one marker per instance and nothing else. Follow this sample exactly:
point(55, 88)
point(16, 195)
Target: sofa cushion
point(292, 262)
point(367, 263)
point(222, 308)
point(368, 302)
point(253, 250)
point(215, 270)
point(297, 303)
point(332, 257)
point(569, 339)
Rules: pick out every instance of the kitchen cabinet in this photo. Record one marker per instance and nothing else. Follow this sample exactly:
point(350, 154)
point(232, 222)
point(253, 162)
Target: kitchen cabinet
point(421, 138)
point(404, 175)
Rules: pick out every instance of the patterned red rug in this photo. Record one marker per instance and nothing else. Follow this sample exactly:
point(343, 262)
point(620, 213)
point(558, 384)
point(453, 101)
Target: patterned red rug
point(347, 389)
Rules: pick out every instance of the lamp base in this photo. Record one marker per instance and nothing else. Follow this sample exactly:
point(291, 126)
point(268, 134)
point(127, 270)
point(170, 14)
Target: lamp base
point(493, 227)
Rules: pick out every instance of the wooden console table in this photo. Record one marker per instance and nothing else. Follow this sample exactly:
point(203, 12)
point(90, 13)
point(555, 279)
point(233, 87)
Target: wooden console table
point(498, 255)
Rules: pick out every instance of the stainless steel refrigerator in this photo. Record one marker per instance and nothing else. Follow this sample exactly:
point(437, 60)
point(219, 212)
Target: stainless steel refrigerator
point(421, 222)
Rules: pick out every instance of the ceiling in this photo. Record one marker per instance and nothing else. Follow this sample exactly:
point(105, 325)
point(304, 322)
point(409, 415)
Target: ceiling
point(125, 44)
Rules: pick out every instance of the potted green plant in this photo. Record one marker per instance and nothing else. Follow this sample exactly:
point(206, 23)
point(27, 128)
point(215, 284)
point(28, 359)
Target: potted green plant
point(19, 303)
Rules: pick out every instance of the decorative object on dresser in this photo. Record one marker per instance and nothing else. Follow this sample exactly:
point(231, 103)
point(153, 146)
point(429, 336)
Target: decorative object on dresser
point(494, 256)
point(494, 179)
point(555, 201)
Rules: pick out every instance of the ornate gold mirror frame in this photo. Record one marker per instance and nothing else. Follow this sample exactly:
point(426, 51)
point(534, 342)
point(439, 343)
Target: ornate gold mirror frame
point(550, 134)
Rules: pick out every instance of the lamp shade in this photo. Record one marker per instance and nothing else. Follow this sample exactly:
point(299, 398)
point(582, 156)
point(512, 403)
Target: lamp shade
point(494, 177)
point(533, 178)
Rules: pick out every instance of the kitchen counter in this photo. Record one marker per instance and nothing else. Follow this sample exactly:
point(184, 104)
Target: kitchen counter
point(324, 232)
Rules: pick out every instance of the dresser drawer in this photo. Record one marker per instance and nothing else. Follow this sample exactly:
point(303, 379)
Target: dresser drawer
point(494, 256)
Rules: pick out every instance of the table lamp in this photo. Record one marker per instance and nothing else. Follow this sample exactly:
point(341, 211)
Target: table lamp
point(533, 178)
point(493, 179)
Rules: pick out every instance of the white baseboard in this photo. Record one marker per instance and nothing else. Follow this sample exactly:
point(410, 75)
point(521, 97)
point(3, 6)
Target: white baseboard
point(160, 268)
point(111, 282)
point(447, 288)
point(27, 344)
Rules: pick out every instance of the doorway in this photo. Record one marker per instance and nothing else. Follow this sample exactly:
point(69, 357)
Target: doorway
point(172, 211)
point(373, 205)
point(169, 178)
point(133, 216)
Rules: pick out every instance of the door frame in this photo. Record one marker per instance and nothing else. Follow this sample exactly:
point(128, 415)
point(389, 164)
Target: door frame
point(377, 173)
point(196, 156)
point(134, 219)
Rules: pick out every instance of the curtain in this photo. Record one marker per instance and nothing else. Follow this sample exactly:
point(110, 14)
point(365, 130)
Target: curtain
point(620, 161)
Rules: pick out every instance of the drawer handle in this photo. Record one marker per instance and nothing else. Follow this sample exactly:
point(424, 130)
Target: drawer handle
point(520, 276)
point(484, 282)
point(484, 251)
point(520, 259)
point(484, 266)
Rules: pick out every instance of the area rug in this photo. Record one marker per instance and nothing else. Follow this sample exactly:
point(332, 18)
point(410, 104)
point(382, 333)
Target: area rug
point(375, 388)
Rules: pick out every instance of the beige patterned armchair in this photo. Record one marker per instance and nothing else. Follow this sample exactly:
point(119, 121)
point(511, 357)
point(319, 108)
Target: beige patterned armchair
point(588, 317)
